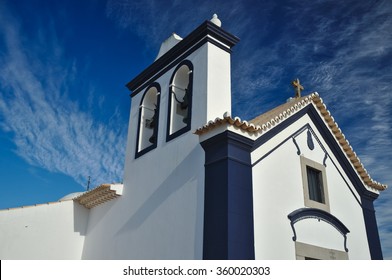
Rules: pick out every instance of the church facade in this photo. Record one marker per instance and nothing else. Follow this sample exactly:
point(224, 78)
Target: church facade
point(201, 184)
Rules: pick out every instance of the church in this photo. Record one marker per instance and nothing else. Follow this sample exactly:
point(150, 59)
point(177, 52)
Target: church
point(201, 184)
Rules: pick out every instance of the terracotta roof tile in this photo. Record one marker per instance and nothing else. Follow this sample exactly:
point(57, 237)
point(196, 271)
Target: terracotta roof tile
point(99, 195)
point(227, 119)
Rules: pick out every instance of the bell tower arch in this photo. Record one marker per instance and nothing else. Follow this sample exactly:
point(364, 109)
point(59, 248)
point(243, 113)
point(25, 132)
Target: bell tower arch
point(180, 100)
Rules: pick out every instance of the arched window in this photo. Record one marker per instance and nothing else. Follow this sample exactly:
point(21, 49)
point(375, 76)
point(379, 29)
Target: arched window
point(180, 100)
point(148, 120)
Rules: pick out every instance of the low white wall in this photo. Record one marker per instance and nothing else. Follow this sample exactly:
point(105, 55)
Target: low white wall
point(46, 231)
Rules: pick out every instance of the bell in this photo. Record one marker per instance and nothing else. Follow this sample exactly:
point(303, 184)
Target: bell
point(184, 103)
point(151, 123)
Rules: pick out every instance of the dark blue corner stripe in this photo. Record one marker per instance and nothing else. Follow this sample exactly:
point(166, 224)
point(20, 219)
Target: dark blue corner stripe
point(228, 205)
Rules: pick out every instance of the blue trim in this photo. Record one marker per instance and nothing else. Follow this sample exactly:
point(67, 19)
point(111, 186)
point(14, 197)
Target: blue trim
point(190, 97)
point(228, 204)
point(313, 213)
point(153, 145)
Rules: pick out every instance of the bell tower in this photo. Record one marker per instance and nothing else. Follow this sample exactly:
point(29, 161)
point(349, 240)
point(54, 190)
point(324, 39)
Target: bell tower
point(186, 86)
point(192, 78)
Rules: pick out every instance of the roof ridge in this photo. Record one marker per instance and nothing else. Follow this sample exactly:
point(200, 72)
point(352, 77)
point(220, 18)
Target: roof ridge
point(280, 113)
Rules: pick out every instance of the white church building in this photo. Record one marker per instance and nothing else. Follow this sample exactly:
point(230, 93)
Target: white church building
point(201, 184)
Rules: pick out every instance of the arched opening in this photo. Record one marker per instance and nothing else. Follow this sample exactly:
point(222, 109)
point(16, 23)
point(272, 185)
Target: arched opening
point(180, 100)
point(148, 120)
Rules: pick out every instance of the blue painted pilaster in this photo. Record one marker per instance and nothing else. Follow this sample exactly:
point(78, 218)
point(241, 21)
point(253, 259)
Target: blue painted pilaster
point(228, 206)
point(373, 237)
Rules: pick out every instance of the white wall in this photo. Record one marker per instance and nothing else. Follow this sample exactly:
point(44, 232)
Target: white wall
point(219, 83)
point(159, 215)
point(46, 231)
point(278, 190)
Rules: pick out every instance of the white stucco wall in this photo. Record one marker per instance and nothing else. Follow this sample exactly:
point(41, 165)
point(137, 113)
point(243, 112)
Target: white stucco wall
point(278, 190)
point(160, 214)
point(47, 231)
point(219, 85)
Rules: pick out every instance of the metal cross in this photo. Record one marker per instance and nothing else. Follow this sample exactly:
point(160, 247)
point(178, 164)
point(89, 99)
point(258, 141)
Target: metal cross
point(298, 87)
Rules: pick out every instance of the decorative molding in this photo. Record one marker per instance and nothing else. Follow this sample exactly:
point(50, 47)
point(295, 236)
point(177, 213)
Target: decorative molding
point(310, 141)
point(297, 146)
point(309, 138)
point(312, 213)
point(325, 159)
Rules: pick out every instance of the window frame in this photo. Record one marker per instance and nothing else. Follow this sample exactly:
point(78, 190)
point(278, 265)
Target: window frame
point(305, 250)
point(156, 126)
point(305, 163)
point(315, 184)
point(171, 135)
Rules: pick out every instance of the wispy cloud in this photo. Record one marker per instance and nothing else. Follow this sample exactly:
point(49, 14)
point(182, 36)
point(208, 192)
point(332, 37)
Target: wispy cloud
point(49, 129)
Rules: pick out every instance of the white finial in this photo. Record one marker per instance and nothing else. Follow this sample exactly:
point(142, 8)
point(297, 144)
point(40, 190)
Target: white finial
point(215, 20)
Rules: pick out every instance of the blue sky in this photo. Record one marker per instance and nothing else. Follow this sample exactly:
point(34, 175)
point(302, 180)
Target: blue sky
point(64, 107)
